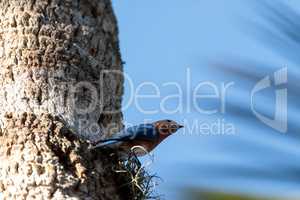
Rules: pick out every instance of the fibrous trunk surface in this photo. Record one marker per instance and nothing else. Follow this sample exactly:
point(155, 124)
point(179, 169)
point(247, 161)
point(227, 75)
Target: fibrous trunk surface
point(60, 84)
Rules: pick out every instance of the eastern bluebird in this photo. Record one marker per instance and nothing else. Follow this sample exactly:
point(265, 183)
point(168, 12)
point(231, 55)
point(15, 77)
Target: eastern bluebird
point(147, 136)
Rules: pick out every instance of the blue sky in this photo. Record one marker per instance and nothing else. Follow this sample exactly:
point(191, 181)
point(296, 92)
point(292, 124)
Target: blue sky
point(159, 40)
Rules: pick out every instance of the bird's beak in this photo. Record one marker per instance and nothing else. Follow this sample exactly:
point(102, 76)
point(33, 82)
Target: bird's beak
point(180, 126)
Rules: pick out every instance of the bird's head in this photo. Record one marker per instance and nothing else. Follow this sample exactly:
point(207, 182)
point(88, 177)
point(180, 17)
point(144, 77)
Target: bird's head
point(167, 127)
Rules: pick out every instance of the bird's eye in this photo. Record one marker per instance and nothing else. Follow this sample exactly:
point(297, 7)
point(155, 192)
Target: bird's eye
point(169, 120)
point(173, 129)
point(174, 126)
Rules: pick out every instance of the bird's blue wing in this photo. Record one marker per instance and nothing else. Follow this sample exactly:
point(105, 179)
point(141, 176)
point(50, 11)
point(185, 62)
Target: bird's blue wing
point(140, 132)
point(143, 132)
point(104, 143)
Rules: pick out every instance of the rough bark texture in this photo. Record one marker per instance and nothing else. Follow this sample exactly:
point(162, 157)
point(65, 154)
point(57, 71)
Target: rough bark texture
point(53, 57)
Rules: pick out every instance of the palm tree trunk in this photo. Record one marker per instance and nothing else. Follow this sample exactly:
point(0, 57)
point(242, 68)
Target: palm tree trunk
point(60, 78)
